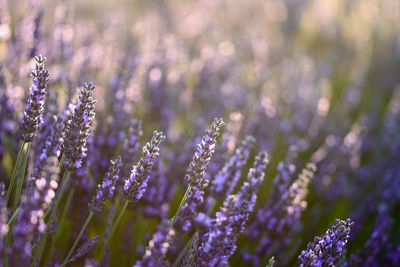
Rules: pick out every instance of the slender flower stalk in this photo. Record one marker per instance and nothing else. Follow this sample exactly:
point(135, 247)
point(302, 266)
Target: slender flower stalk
point(31, 120)
point(105, 191)
point(196, 177)
point(77, 129)
point(21, 177)
point(136, 184)
point(14, 174)
point(219, 243)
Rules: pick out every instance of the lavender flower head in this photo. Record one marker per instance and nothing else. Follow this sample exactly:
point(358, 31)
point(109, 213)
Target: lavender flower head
point(136, 184)
point(34, 107)
point(195, 175)
point(196, 170)
point(158, 246)
point(219, 243)
point(106, 189)
point(77, 128)
point(325, 250)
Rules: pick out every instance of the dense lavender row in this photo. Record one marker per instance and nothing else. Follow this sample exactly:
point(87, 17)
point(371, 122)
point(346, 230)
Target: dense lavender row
point(260, 133)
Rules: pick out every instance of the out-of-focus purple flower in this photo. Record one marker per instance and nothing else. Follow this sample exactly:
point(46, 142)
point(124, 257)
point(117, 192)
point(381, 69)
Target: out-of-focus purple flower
point(105, 190)
point(220, 242)
point(85, 248)
point(158, 246)
point(34, 108)
point(158, 194)
point(377, 251)
point(131, 147)
point(195, 175)
point(226, 180)
point(77, 128)
point(325, 250)
point(29, 223)
point(136, 184)
point(281, 184)
point(280, 221)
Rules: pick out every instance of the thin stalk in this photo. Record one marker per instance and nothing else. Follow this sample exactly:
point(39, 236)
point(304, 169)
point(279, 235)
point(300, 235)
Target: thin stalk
point(21, 178)
point(62, 220)
point(78, 238)
point(14, 174)
point(61, 162)
point(183, 201)
point(183, 252)
point(210, 210)
point(9, 236)
point(121, 213)
point(189, 243)
point(42, 240)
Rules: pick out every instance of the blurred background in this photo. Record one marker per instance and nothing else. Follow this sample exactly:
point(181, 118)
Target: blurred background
point(317, 77)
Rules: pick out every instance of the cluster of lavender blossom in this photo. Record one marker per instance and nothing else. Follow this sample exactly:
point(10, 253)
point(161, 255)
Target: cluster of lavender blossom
point(204, 143)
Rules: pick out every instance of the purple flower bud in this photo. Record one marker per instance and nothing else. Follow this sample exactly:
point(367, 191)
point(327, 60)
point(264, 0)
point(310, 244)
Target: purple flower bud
point(136, 184)
point(77, 128)
point(325, 250)
point(34, 107)
point(195, 175)
point(85, 248)
point(105, 190)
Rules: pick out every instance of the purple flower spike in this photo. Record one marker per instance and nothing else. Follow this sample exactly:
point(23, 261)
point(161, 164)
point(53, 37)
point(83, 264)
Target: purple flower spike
point(158, 246)
point(136, 184)
point(219, 243)
point(197, 168)
point(325, 250)
point(195, 175)
point(106, 189)
point(34, 107)
point(77, 128)
point(226, 180)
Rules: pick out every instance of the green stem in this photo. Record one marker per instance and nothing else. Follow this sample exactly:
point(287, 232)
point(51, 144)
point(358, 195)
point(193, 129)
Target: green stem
point(14, 174)
point(21, 178)
point(183, 252)
point(183, 201)
point(121, 213)
point(210, 210)
point(61, 162)
point(9, 235)
point(42, 240)
point(78, 238)
point(62, 220)
point(180, 256)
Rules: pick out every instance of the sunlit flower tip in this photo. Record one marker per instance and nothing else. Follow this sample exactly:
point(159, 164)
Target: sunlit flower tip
point(325, 250)
point(106, 189)
point(136, 184)
point(32, 117)
point(196, 170)
point(77, 128)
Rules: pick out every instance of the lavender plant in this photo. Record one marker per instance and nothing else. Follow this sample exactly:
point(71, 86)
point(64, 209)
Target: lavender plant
point(317, 90)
